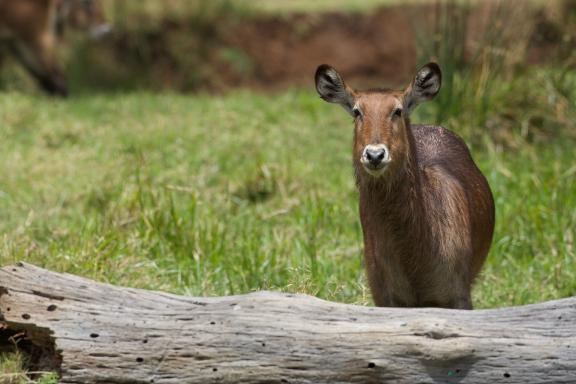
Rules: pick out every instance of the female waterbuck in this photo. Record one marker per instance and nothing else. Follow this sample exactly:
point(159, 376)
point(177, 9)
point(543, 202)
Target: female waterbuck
point(427, 212)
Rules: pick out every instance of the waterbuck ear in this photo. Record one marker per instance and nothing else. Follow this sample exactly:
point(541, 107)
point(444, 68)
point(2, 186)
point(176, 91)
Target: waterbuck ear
point(332, 88)
point(424, 87)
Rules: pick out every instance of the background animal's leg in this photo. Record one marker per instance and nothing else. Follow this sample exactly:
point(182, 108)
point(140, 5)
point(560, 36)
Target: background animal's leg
point(1, 64)
point(38, 57)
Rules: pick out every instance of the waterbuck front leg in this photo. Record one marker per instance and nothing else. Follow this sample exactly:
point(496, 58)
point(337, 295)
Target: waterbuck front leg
point(381, 295)
point(388, 282)
point(37, 55)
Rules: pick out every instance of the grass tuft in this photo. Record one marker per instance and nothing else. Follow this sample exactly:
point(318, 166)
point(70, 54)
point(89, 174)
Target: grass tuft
point(11, 371)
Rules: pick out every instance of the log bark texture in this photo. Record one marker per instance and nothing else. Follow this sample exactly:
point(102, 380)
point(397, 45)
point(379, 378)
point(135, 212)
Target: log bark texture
point(99, 333)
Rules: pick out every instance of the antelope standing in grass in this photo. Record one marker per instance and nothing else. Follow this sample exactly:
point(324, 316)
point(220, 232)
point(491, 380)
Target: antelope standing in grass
point(426, 210)
point(30, 29)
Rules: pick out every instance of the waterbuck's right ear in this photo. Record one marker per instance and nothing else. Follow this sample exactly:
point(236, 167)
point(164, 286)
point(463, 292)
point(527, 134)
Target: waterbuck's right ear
point(332, 88)
point(424, 87)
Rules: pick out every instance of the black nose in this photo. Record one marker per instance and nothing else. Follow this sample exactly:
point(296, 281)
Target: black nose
point(375, 156)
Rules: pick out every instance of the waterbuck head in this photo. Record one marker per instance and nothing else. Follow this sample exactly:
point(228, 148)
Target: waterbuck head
point(381, 137)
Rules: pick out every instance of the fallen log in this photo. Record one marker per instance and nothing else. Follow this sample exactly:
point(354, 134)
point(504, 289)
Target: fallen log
point(98, 333)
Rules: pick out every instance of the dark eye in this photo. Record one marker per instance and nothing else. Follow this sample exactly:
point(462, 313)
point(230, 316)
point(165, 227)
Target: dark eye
point(356, 112)
point(397, 112)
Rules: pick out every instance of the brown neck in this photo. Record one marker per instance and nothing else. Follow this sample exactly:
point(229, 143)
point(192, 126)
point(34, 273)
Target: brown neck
point(397, 194)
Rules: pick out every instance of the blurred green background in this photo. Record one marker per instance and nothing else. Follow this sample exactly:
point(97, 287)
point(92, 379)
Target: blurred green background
point(194, 156)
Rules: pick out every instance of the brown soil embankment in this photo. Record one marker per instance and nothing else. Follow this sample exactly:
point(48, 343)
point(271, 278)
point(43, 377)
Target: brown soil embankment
point(274, 52)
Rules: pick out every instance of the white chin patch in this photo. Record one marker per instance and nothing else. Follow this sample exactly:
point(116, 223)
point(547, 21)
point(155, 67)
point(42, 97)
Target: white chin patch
point(375, 172)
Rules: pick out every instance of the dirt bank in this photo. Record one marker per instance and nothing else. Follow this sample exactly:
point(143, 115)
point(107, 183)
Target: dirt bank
point(274, 52)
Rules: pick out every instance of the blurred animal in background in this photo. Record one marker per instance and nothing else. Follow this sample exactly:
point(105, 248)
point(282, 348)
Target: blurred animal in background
point(31, 29)
point(426, 210)
point(86, 15)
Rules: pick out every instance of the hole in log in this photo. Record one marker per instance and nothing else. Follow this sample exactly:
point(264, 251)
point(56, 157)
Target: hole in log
point(47, 295)
point(212, 323)
point(263, 344)
point(94, 335)
point(139, 360)
point(26, 316)
point(371, 365)
point(214, 369)
point(8, 309)
point(51, 308)
point(506, 375)
point(35, 344)
point(145, 341)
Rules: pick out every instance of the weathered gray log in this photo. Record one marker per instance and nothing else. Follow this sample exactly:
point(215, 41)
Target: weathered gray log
point(99, 333)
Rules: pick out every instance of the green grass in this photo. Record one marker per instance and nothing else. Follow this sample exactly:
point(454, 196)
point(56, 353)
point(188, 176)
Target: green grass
point(217, 196)
point(11, 371)
point(290, 6)
point(206, 195)
point(195, 195)
point(151, 9)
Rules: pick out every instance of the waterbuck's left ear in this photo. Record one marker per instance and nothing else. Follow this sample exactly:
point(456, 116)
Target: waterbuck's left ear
point(332, 88)
point(424, 87)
